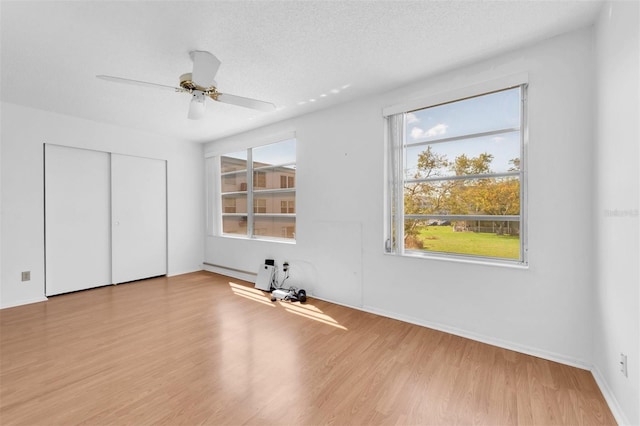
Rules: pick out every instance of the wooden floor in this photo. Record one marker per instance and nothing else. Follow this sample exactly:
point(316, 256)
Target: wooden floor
point(203, 349)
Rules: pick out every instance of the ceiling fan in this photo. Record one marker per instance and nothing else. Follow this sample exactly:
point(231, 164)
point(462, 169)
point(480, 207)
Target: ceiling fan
point(200, 84)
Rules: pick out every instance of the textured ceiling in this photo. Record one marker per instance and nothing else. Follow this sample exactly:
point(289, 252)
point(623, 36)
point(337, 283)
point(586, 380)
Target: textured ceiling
point(300, 55)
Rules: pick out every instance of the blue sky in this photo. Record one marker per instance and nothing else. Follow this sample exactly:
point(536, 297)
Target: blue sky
point(498, 110)
point(276, 153)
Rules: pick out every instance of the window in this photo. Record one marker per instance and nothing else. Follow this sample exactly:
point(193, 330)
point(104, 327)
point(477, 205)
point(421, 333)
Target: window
point(260, 205)
point(287, 206)
point(457, 173)
point(287, 181)
point(259, 180)
point(288, 232)
point(254, 202)
point(229, 205)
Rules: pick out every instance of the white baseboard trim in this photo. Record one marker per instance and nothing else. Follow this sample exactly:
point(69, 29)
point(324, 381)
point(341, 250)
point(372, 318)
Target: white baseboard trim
point(550, 356)
point(175, 273)
point(23, 302)
point(609, 397)
point(505, 344)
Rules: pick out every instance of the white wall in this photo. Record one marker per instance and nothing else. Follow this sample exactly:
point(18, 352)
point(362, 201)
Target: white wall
point(616, 301)
point(544, 309)
point(24, 130)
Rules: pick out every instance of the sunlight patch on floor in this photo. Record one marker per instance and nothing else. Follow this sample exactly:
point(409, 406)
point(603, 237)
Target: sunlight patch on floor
point(311, 312)
point(251, 294)
point(304, 310)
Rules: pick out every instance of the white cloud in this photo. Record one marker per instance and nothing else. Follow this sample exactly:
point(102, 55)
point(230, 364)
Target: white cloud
point(411, 118)
point(417, 132)
point(437, 130)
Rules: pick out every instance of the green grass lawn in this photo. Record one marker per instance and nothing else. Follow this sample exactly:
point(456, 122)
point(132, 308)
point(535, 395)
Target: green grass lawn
point(443, 239)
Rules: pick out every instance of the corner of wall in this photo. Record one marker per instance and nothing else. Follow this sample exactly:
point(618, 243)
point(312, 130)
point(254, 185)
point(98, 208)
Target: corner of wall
point(616, 299)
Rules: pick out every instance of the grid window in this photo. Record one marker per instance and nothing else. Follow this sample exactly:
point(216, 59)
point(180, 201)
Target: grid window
point(253, 201)
point(457, 178)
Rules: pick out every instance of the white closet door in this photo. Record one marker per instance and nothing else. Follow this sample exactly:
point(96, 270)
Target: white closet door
point(77, 219)
point(139, 218)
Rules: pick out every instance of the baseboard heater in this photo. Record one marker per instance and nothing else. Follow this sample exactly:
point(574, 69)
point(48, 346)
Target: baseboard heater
point(213, 265)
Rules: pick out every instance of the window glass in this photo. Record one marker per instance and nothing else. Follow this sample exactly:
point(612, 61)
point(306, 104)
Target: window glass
point(494, 239)
point(271, 211)
point(473, 155)
point(234, 224)
point(490, 112)
point(234, 203)
point(275, 154)
point(274, 177)
point(233, 162)
point(273, 226)
point(459, 188)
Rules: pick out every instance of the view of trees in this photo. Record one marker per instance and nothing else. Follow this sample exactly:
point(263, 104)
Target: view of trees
point(443, 195)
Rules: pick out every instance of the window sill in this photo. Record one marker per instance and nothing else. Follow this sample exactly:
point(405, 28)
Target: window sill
point(512, 264)
point(262, 239)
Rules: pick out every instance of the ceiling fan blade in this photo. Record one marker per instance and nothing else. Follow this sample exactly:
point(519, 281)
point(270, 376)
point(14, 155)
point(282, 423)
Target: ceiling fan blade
point(139, 83)
point(205, 68)
point(245, 102)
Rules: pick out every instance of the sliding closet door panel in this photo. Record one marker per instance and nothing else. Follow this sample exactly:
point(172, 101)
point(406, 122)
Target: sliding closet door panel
point(77, 219)
point(139, 218)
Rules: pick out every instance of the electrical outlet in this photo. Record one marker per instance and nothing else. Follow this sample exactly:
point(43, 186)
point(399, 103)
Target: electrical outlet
point(623, 364)
point(26, 276)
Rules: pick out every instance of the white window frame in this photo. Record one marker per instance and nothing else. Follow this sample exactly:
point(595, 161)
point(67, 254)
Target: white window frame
point(215, 206)
point(394, 223)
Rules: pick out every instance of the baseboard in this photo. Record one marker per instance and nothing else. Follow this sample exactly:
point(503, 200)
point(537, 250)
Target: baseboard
point(24, 302)
point(174, 273)
point(505, 344)
point(550, 356)
point(609, 397)
point(229, 272)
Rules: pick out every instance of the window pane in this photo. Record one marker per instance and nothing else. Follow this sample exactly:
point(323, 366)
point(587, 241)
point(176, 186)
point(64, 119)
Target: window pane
point(259, 180)
point(234, 203)
point(278, 227)
point(498, 239)
point(488, 154)
point(234, 225)
point(273, 195)
point(275, 154)
point(234, 161)
point(275, 178)
point(274, 203)
point(490, 112)
point(485, 196)
point(234, 182)
point(458, 161)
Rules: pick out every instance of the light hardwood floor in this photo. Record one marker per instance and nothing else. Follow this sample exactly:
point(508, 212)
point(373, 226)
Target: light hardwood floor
point(206, 349)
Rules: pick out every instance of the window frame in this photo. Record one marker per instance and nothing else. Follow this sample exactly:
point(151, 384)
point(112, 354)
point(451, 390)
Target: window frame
point(395, 177)
point(252, 194)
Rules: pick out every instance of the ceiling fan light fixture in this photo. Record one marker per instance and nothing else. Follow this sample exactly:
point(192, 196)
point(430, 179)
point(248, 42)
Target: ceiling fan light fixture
point(197, 106)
